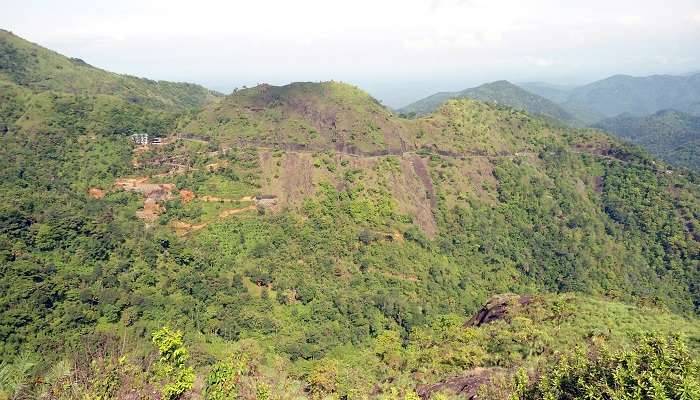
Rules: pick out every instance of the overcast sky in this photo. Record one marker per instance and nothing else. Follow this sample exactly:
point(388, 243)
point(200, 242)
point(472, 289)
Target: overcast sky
point(398, 50)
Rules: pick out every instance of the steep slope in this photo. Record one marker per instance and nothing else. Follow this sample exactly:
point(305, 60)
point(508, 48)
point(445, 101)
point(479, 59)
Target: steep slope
point(500, 92)
point(671, 135)
point(635, 95)
point(39, 69)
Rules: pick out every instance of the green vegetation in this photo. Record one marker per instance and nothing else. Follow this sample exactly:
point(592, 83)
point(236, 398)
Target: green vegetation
point(171, 369)
point(671, 135)
point(39, 69)
point(500, 92)
point(658, 367)
point(340, 251)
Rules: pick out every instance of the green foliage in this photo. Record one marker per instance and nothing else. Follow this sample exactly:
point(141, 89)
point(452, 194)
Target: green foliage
point(14, 376)
point(222, 380)
point(174, 376)
point(668, 134)
point(658, 367)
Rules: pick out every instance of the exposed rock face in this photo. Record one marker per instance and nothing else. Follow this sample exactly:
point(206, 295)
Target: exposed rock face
point(498, 307)
point(466, 385)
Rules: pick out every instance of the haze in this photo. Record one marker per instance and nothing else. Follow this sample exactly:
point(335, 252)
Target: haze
point(399, 51)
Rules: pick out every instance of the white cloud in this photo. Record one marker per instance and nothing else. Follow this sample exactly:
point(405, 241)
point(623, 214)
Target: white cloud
point(442, 42)
point(632, 20)
point(541, 61)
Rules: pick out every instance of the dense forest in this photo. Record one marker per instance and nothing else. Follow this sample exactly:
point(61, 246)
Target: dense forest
point(304, 242)
point(648, 109)
point(671, 135)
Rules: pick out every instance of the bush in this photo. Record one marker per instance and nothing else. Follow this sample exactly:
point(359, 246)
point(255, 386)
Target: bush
point(659, 367)
point(171, 370)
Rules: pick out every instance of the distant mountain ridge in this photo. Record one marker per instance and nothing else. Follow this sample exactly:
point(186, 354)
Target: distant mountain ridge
point(499, 92)
point(553, 92)
point(621, 94)
point(638, 95)
point(672, 135)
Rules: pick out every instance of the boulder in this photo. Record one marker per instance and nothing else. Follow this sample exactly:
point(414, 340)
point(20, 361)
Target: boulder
point(466, 385)
point(498, 307)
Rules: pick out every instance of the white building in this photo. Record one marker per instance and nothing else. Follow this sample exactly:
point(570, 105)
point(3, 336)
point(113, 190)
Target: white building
point(140, 138)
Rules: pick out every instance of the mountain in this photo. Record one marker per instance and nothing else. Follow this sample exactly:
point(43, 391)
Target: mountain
point(39, 69)
point(637, 96)
point(302, 241)
point(555, 93)
point(672, 135)
point(500, 92)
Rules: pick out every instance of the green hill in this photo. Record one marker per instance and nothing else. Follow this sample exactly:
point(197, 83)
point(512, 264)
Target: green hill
point(39, 69)
point(638, 96)
point(303, 242)
point(500, 92)
point(318, 115)
point(555, 93)
point(671, 135)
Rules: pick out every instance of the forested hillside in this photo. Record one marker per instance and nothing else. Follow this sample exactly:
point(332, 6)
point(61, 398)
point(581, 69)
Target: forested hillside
point(671, 135)
point(500, 92)
point(304, 242)
point(40, 69)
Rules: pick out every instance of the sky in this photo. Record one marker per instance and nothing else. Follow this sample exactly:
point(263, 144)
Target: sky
point(398, 51)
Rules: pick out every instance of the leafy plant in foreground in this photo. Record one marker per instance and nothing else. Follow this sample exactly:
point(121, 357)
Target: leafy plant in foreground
point(171, 369)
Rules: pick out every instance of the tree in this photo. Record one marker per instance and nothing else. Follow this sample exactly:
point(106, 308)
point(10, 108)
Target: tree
point(171, 370)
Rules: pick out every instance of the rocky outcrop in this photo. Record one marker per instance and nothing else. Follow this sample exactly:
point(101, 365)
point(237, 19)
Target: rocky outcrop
point(466, 385)
point(498, 307)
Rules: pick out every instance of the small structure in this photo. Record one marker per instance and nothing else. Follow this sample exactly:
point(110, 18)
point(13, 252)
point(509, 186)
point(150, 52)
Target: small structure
point(143, 139)
point(266, 200)
point(140, 139)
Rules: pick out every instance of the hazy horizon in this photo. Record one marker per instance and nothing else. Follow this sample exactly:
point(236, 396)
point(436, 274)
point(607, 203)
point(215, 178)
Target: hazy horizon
point(397, 51)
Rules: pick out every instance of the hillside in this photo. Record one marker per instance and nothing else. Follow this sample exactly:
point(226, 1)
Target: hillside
point(638, 96)
point(555, 93)
point(671, 135)
point(39, 69)
point(500, 92)
point(316, 115)
point(301, 241)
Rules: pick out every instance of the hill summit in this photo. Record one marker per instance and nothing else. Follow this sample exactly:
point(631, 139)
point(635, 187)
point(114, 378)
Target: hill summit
point(315, 115)
point(499, 92)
